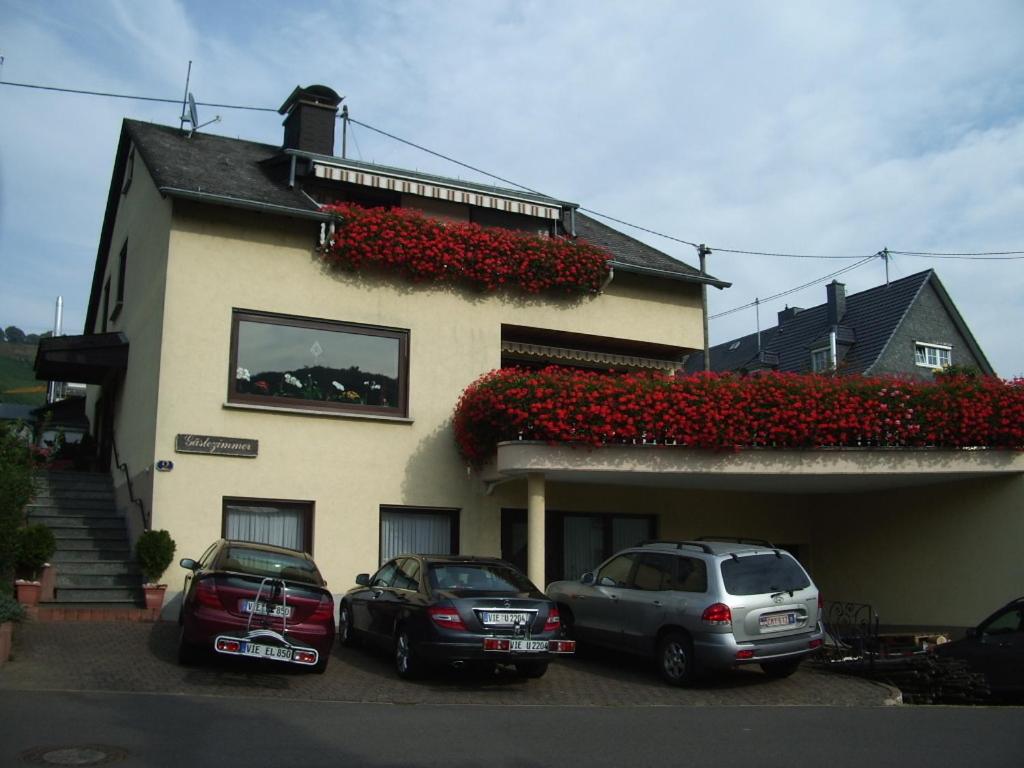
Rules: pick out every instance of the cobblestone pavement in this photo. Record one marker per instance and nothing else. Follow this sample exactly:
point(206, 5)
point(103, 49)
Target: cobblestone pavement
point(109, 656)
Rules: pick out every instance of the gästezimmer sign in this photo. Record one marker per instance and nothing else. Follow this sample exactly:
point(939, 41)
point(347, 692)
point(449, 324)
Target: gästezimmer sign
point(218, 446)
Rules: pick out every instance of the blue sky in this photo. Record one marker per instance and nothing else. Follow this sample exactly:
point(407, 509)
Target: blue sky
point(816, 128)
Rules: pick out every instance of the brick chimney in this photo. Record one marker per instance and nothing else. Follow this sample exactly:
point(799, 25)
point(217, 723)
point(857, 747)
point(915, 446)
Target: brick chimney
point(311, 116)
point(836, 302)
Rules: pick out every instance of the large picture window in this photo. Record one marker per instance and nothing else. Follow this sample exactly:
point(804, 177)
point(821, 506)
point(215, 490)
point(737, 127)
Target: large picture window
point(264, 521)
point(293, 362)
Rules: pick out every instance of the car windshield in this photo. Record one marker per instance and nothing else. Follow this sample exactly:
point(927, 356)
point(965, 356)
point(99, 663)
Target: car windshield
point(761, 574)
point(480, 577)
point(259, 562)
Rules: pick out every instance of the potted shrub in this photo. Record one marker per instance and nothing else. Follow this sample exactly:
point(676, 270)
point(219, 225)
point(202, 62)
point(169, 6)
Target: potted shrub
point(34, 545)
point(154, 552)
point(10, 612)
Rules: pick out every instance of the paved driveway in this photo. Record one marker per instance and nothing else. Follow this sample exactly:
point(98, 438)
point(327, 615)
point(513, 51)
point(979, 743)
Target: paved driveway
point(142, 658)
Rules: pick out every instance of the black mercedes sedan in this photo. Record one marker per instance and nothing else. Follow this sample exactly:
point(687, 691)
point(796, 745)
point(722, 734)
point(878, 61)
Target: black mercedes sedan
point(453, 609)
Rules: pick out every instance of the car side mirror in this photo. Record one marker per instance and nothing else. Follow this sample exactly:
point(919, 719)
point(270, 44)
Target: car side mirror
point(189, 563)
point(363, 579)
point(587, 578)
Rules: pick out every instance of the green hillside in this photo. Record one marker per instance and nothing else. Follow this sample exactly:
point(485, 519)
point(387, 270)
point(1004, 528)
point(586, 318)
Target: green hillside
point(18, 383)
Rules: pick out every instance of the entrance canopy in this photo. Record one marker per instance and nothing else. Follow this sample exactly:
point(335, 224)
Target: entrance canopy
point(842, 470)
point(89, 359)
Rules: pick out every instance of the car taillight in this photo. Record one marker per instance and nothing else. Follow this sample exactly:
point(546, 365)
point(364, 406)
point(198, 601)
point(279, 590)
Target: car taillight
point(446, 617)
point(324, 610)
point(718, 614)
point(206, 594)
point(821, 603)
point(554, 620)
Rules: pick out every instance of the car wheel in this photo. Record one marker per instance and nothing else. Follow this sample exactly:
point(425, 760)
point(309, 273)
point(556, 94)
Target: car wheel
point(780, 669)
point(406, 663)
point(531, 669)
point(189, 654)
point(675, 658)
point(346, 634)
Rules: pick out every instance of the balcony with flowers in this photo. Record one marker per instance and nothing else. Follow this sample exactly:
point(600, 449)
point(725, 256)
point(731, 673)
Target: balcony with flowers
point(717, 430)
point(421, 249)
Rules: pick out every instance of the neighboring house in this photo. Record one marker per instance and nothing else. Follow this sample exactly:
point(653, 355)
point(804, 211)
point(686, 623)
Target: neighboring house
point(909, 327)
point(211, 311)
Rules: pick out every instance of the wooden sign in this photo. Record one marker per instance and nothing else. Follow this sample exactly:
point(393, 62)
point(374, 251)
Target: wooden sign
point(242, 447)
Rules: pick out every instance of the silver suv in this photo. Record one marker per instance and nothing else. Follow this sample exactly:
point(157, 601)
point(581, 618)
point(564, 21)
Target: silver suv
point(706, 604)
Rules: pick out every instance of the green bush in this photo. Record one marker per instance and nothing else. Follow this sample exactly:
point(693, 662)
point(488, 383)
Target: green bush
point(15, 493)
point(154, 551)
point(35, 546)
point(10, 609)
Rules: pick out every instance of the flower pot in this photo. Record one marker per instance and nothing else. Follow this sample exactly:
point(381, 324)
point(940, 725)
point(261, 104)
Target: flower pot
point(28, 592)
point(48, 583)
point(5, 641)
point(154, 597)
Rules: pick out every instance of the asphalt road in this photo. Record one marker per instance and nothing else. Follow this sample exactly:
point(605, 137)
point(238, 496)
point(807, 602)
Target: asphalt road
point(177, 730)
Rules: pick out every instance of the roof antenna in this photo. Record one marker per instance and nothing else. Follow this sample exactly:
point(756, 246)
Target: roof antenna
point(189, 104)
point(184, 106)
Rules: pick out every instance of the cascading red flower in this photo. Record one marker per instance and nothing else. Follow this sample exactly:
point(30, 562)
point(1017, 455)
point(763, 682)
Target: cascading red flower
point(422, 249)
point(729, 413)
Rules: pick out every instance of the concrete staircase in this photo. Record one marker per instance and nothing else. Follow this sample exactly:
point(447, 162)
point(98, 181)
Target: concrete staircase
point(94, 563)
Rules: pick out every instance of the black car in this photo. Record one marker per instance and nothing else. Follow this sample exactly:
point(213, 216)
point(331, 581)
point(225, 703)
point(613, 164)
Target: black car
point(453, 609)
point(995, 648)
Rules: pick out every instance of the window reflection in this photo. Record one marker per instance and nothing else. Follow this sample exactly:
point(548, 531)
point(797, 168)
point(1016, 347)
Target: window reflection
point(321, 364)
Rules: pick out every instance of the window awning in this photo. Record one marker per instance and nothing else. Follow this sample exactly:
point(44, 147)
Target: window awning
point(543, 352)
point(89, 359)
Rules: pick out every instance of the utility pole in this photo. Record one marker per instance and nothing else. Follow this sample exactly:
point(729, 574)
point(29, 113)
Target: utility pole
point(702, 252)
point(344, 130)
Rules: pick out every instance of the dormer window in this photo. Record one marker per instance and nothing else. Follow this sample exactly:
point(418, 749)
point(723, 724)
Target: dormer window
point(820, 361)
point(932, 355)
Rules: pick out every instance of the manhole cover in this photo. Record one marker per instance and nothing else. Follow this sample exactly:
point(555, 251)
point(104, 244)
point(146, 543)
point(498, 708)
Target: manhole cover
point(87, 754)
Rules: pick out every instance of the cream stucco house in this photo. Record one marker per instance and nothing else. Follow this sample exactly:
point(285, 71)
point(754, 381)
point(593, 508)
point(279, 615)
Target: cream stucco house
point(251, 391)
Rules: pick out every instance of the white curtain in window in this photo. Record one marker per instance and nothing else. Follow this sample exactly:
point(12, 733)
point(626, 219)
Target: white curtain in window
point(404, 533)
point(584, 545)
point(280, 526)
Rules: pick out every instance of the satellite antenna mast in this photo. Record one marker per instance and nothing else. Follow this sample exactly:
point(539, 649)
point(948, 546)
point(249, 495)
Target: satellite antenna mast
point(189, 104)
point(188, 77)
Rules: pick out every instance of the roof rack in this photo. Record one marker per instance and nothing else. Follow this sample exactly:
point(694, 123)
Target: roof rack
point(679, 544)
point(739, 540)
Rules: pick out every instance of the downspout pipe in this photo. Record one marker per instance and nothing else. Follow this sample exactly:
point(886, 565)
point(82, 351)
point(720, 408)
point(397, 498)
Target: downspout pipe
point(832, 355)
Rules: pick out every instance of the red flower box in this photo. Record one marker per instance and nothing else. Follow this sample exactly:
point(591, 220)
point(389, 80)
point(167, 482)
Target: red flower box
point(727, 412)
point(421, 249)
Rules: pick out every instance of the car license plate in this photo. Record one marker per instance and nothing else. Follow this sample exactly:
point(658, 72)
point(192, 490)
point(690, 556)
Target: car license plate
point(504, 618)
point(528, 646)
point(778, 620)
point(262, 609)
point(267, 651)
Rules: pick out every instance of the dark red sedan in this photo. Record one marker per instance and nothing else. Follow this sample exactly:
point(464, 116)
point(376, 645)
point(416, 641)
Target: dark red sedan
point(256, 601)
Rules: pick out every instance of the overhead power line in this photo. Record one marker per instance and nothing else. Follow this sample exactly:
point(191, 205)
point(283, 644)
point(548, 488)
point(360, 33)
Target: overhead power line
point(979, 255)
point(822, 279)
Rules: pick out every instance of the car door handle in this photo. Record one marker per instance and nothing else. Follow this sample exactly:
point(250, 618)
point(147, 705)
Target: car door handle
point(377, 594)
point(656, 602)
point(614, 597)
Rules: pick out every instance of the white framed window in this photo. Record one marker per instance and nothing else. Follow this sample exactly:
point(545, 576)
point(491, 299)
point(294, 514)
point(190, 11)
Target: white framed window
point(819, 360)
point(932, 355)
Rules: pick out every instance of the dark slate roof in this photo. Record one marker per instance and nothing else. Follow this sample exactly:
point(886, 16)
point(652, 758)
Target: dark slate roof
point(213, 165)
point(630, 254)
point(871, 319)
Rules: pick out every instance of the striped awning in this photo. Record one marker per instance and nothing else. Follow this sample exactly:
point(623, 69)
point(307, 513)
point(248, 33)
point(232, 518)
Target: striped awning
point(541, 352)
point(438, 191)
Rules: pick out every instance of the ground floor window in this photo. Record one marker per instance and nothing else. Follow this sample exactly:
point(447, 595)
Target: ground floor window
point(418, 530)
point(577, 542)
point(269, 521)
